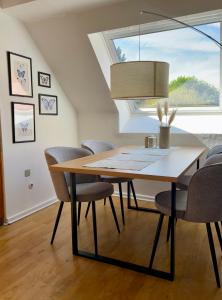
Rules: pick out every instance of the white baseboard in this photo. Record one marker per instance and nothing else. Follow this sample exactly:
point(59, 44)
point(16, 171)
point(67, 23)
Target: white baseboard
point(51, 201)
point(30, 211)
point(138, 196)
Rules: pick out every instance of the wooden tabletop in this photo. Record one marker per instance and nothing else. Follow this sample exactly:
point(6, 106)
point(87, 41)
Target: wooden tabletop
point(167, 169)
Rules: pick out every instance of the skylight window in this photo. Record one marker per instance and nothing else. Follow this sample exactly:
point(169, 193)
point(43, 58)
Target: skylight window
point(194, 62)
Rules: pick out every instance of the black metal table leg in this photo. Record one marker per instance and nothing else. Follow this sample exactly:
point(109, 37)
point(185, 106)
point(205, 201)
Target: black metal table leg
point(172, 238)
point(74, 215)
point(136, 207)
point(121, 202)
point(79, 212)
point(168, 231)
point(116, 262)
point(198, 163)
point(94, 227)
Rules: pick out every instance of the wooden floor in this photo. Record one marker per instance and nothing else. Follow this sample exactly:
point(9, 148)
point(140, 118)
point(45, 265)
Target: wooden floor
point(30, 268)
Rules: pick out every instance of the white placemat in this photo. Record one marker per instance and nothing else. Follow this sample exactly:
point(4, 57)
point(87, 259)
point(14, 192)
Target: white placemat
point(135, 157)
point(148, 151)
point(118, 164)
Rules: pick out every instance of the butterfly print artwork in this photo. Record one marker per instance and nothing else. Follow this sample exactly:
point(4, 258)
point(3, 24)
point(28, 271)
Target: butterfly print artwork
point(48, 104)
point(44, 79)
point(24, 129)
point(23, 121)
point(20, 75)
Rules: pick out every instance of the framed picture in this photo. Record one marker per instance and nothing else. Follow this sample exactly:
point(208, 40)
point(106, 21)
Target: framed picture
point(48, 104)
point(44, 79)
point(23, 122)
point(20, 75)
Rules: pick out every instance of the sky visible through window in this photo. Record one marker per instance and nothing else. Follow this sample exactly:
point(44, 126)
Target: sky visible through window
point(194, 63)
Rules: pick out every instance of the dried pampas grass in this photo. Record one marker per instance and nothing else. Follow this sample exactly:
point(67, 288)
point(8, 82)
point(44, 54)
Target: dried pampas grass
point(159, 112)
point(166, 108)
point(165, 112)
point(172, 117)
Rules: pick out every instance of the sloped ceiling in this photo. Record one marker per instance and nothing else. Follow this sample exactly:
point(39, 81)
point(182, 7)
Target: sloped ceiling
point(42, 9)
point(64, 42)
point(10, 3)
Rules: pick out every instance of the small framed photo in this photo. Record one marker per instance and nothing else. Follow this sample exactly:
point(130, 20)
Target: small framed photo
point(23, 122)
point(48, 104)
point(44, 79)
point(20, 75)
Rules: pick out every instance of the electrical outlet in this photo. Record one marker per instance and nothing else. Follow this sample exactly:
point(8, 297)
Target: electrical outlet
point(30, 186)
point(27, 173)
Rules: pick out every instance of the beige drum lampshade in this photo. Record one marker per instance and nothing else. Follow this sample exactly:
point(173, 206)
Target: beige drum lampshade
point(139, 80)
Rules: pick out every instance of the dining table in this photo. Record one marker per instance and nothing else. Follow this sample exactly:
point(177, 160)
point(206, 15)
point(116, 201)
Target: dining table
point(134, 162)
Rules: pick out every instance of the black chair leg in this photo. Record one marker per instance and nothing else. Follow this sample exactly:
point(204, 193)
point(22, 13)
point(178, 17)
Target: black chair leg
point(156, 240)
point(213, 254)
point(79, 211)
point(121, 202)
point(168, 230)
point(218, 233)
point(57, 221)
point(128, 195)
point(94, 227)
point(87, 209)
point(104, 201)
point(134, 194)
point(114, 213)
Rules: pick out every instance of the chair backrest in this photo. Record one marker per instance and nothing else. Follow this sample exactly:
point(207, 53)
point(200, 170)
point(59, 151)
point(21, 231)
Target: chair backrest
point(204, 202)
point(61, 181)
point(97, 146)
point(213, 159)
point(215, 150)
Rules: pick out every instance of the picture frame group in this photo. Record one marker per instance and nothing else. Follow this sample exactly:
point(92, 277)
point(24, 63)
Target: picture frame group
point(21, 85)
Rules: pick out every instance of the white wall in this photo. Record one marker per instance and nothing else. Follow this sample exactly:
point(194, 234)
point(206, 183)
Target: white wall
point(50, 130)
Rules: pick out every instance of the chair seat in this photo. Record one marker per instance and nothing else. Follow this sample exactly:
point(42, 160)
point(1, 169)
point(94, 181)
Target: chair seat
point(112, 179)
point(184, 182)
point(93, 191)
point(163, 203)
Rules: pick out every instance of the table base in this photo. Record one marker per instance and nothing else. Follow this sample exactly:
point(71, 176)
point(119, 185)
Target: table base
point(126, 265)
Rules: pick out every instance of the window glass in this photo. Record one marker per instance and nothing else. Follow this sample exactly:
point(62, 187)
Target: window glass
point(194, 64)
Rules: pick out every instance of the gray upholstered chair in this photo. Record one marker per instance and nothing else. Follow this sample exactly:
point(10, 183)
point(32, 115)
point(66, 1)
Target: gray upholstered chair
point(201, 203)
point(183, 185)
point(97, 146)
point(88, 188)
point(184, 180)
point(215, 150)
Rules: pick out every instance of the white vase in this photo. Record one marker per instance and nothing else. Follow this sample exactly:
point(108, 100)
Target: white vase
point(164, 137)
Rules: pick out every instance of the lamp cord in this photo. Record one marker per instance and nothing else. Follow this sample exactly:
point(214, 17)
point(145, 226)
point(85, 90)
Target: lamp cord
point(182, 23)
